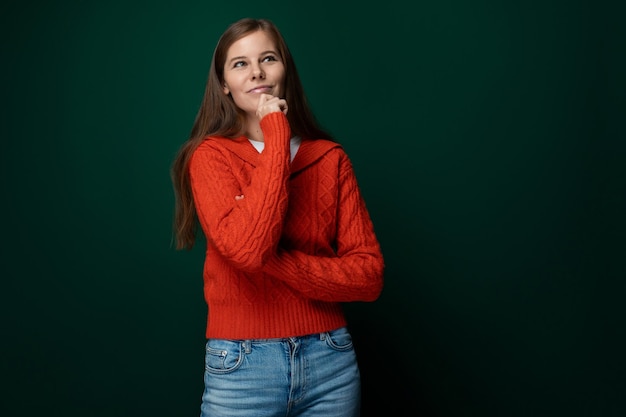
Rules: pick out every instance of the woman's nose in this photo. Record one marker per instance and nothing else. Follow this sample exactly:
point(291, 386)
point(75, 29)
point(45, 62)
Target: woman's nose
point(257, 72)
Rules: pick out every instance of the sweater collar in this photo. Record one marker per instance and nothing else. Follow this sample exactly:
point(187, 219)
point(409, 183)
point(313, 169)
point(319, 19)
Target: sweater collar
point(309, 152)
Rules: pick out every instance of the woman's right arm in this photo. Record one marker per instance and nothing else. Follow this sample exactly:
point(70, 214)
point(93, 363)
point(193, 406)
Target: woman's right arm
point(245, 230)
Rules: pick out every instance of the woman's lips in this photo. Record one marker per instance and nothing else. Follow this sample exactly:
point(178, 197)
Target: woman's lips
point(261, 89)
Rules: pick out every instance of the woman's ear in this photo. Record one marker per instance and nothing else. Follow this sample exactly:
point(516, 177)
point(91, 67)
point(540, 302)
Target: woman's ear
point(225, 89)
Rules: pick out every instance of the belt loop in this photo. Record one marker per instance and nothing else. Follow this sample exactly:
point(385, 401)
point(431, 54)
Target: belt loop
point(247, 346)
point(323, 335)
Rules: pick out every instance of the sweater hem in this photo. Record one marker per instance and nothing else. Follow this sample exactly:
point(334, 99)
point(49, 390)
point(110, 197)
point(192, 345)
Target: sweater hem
point(272, 320)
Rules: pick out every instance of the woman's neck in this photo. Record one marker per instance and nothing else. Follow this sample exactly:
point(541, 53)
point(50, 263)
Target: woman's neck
point(253, 129)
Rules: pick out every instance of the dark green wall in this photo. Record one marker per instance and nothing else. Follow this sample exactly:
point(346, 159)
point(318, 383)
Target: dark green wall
point(488, 138)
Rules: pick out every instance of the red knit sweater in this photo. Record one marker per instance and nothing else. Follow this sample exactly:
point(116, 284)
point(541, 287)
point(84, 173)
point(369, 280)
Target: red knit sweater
point(280, 260)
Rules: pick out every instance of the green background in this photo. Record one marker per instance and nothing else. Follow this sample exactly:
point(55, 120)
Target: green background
point(488, 139)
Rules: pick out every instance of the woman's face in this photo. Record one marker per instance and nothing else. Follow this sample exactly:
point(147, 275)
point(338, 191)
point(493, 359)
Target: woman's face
point(253, 67)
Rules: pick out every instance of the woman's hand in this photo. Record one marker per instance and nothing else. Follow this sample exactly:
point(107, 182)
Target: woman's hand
point(269, 104)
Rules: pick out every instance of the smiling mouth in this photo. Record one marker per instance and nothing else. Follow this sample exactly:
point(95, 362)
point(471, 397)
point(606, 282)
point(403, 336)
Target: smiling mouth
point(261, 89)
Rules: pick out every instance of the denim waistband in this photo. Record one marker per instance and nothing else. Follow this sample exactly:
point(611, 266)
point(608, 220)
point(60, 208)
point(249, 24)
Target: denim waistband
point(318, 336)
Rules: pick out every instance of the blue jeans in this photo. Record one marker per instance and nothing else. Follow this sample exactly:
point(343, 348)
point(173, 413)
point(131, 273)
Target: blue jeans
point(315, 375)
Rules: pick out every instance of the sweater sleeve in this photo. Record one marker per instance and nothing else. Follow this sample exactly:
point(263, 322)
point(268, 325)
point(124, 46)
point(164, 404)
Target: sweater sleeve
point(355, 272)
point(245, 231)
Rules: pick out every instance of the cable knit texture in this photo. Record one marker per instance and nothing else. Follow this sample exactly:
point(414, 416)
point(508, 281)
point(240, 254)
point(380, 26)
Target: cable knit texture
point(282, 259)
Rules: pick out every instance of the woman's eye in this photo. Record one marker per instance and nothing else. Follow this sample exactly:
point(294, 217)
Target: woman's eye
point(239, 64)
point(269, 58)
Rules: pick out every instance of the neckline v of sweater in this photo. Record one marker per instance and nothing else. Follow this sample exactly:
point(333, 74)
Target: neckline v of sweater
point(294, 144)
point(308, 153)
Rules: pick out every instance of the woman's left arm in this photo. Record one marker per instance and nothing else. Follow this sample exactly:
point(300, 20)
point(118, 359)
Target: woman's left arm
point(355, 272)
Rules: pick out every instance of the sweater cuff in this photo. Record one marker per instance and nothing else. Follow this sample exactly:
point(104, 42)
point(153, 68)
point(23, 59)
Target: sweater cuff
point(275, 127)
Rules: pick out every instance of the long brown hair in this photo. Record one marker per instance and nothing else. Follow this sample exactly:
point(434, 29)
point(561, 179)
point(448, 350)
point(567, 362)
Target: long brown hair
point(219, 116)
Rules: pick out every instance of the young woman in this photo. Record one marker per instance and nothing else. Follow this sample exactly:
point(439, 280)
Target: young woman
point(288, 235)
